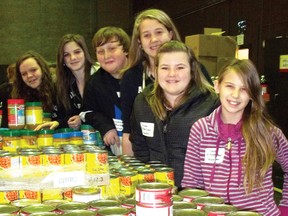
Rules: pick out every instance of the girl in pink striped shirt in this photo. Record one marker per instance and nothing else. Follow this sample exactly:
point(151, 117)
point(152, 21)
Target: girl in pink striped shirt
point(230, 152)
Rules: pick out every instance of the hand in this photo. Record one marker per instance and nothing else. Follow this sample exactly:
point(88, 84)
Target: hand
point(51, 125)
point(127, 145)
point(74, 122)
point(111, 138)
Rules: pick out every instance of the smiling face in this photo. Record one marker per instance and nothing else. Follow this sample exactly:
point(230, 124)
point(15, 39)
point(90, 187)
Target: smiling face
point(74, 57)
point(111, 57)
point(31, 73)
point(152, 35)
point(173, 74)
point(233, 96)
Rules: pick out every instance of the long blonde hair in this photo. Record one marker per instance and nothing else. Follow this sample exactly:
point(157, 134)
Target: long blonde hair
point(156, 98)
point(136, 54)
point(256, 126)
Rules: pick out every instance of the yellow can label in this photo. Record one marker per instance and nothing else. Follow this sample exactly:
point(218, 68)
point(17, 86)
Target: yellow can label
point(128, 184)
point(30, 194)
point(146, 177)
point(74, 158)
point(113, 189)
point(52, 194)
point(165, 177)
point(67, 194)
point(97, 162)
point(53, 159)
point(30, 160)
point(8, 196)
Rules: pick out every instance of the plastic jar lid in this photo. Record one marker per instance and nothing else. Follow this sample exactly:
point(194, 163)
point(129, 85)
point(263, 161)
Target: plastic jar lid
point(11, 133)
point(47, 115)
point(86, 127)
point(64, 130)
point(42, 132)
point(28, 133)
point(76, 134)
point(15, 101)
point(61, 136)
point(33, 104)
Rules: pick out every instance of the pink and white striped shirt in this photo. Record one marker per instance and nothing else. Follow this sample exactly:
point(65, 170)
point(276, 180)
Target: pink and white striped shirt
point(223, 175)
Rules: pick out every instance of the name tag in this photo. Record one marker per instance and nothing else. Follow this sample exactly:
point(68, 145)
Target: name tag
point(118, 124)
point(147, 129)
point(210, 155)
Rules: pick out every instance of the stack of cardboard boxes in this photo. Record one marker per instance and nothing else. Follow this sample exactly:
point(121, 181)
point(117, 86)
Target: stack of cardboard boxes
point(213, 51)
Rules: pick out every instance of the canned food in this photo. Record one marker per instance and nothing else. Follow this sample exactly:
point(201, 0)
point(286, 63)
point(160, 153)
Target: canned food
point(30, 194)
point(80, 212)
point(128, 181)
point(153, 193)
point(97, 162)
point(67, 194)
point(189, 194)
point(36, 208)
point(9, 160)
point(51, 194)
point(176, 198)
point(202, 201)
point(165, 175)
point(54, 202)
point(113, 189)
point(30, 157)
point(143, 209)
point(86, 193)
point(218, 209)
point(8, 196)
point(53, 158)
point(44, 214)
point(188, 212)
point(8, 209)
point(113, 211)
point(24, 202)
point(129, 203)
point(74, 156)
point(146, 175)
point(64, 207)
point(184, 205)
point(243, 213)
point(95, 205)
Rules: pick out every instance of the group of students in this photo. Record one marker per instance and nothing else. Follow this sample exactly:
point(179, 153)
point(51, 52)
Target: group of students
point(154, 94)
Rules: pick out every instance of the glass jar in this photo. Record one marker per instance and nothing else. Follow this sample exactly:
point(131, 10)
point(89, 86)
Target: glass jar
point(16, 113)
point(61, 139)
point(28, 139)
point(11, 140)
point(76, 138)
point(34, 114)
point(46, 117)
point(45, 138)
point(89, 134)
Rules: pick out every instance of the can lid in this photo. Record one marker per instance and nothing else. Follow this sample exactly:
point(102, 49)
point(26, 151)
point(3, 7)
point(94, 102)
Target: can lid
point(113, 211)
point(8, 209)
point(38, 208)
point(48, 131)
point(72, 206)
point(33, 104)
point(15, 101)
point(86, 190)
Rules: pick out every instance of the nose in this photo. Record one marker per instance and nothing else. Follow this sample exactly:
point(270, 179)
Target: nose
point(106, 54)
point(154, 38)
point(236, 93)
point(172, 72)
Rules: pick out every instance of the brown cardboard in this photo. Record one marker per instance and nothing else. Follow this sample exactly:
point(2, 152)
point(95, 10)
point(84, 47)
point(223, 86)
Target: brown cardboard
point(210, 64)
point(212, 45)
point(209, 31)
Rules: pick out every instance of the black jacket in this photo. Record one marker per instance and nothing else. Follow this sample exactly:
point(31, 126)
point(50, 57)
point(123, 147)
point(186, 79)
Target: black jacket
point(169, 140)
point(101, 96)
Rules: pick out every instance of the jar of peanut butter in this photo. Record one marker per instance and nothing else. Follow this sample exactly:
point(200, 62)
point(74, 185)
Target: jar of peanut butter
point(16, 113)
point(34, 114)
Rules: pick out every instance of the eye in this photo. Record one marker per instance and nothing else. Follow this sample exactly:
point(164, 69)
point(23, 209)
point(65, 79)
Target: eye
point(77, 51)
point(164, 68)
point(66, 55)
point(146, 36)
point(24, 74)
point(243, 89)
point(159, 32)
point(100, 52)
point(112, 48)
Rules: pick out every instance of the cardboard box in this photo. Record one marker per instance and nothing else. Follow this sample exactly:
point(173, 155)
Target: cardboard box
point(212, 45)
point(210, 64)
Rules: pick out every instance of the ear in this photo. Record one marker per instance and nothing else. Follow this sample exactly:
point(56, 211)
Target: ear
point(139, 42)
point(216, 86)
point(171, 35)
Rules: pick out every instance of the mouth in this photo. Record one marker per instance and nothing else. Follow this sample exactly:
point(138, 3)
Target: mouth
point(233, 103)
point(155, 47)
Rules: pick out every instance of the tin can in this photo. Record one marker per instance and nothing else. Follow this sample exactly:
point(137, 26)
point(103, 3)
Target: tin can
point(52, 194)
point(86, 193)
point(68, 194)
point(36, 208)
point(153, 193)
point(165, 175)
point(8, 196)
point(53, 158)
point(9, 160)
point(20, 203)
point(89, 134)
point(97, 162)
point(129, 203)
point(243, 213)
point(74, 156)
point(176, 198)
point(113, 189)
point(30, 157)
point(143, 209)
point(184, 205)
point(189, 194)
point(65, 207)
point(128, 182)
point(30, 194)
point(146, 175)
point(54, 202)
point(191, 212)
point(218, 209)
point(113, 211)
point(8, 209)
point(44, 214)
point(203, 201)
point(95, 205)
point(80, 212)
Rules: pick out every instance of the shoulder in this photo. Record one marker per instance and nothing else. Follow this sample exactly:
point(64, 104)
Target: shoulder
point(133, 71)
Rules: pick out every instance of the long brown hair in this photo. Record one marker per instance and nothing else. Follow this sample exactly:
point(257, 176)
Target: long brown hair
point(136, 54)
point(64, 76)
point(256, 126)
point(156, 98)
point(45, 92)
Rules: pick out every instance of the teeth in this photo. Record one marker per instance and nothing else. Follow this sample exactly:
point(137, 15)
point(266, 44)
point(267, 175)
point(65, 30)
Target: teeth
point(234, 103)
